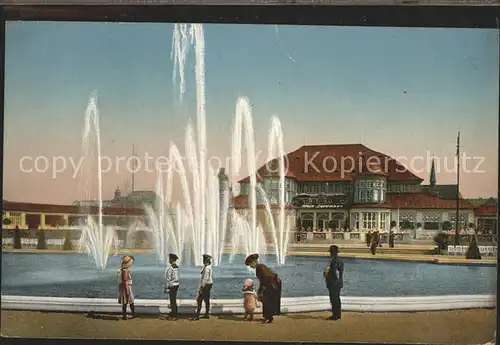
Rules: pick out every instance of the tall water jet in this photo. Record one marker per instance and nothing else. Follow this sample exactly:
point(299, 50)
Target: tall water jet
point(96, 239)
point(275, 141)
point(243, 123)
point(205, 210)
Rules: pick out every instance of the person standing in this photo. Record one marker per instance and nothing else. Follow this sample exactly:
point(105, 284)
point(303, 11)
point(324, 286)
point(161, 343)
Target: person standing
point(172, 285)
point(334, 277)
point(368, 238)
point(374, 242)
point(125, 293)
point(391, 238)
point(204, 288)
point(270, 287)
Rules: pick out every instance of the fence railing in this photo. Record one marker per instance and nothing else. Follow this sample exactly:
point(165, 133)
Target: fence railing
point(461, 250)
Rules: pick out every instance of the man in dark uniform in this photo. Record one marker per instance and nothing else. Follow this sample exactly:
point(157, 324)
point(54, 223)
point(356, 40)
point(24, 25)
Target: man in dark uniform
point(334, 277)
point(172, 285)
point(269, 291)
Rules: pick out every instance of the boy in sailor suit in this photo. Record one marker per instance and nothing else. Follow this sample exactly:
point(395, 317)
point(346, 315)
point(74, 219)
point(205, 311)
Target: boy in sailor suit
point(204, 288)
point(172, 285)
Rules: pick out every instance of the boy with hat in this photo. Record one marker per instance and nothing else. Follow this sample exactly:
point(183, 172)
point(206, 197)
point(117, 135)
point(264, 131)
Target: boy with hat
point(172, 285)
point(125, 293)
point(204, 288)
point(334, 277)
point(269, 288)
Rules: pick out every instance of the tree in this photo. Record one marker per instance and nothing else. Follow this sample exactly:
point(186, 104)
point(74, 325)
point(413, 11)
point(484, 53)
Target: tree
point(6, 221)
point(441, 240)
point(446, 225)
point(41, 243)
point(17, 239)
point(61, 222)
point(68, 245)
point(406, 224)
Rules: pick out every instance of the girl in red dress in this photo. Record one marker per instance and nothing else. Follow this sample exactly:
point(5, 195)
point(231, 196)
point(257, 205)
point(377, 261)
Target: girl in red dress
point(125, 293)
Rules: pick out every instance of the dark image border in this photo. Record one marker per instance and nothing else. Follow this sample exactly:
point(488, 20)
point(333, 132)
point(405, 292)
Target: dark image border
point(444, 16)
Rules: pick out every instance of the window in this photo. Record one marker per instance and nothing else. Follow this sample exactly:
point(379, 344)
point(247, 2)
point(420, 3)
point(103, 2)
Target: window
point(365, 195)
point(453, 217)
point(244, 188)
point(431, 225)
point(369, 220)
point(384, 221)
point(355, 218)
point(15, 218)
point(432, 217)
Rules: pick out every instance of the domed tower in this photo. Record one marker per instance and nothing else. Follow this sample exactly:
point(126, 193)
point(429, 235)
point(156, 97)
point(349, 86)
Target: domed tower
point(371, 181)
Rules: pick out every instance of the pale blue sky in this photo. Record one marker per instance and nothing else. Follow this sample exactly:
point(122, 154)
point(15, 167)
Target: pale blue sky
point(401, 91)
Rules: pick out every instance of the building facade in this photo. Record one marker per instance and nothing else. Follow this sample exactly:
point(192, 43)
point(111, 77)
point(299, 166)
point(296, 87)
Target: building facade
point(355, 189)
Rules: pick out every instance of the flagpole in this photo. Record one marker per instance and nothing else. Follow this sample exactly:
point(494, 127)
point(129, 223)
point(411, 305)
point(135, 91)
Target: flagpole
point(457, 236)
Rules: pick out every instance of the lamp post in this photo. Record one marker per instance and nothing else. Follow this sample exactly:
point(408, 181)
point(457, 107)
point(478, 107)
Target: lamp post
point(457, 220)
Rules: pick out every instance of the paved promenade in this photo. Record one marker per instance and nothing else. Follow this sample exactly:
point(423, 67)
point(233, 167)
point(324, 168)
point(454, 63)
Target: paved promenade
point(453, 327)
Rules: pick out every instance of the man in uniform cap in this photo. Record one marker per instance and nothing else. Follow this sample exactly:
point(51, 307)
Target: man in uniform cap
point(269, 291)
point(334, 277)
point(172, 284)
point(204, 288)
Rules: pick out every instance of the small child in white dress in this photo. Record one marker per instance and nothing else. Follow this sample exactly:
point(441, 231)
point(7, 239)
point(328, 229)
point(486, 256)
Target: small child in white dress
point(250, 302)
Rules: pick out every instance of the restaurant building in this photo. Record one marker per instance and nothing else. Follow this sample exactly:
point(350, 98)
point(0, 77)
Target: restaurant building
point(353, 188)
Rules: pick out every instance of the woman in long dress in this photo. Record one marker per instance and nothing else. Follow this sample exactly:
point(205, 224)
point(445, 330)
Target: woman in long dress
point(269, 288)
point(125, 293)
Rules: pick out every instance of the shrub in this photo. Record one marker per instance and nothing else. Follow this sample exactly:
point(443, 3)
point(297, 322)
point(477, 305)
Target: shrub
point(41, 243)
point(446, 225)
point(441, 240)
point(6, 221)
point(393, 223)
point(406, 224)
point(472, 225)
point(419, 225)
point(473, 251)
point(61, 222)
point(68, 245)
point(17, 239)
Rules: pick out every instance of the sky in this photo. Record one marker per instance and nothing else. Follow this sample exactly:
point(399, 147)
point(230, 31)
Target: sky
point(401, 91)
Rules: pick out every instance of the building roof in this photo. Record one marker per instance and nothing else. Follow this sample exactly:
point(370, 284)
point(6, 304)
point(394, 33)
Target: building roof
point(242, 201)
point(393, 201)
point(444, 191)
point(484, 201)
point(11, 206)
point(337, 163)
point(424, 201)
point(486, 210)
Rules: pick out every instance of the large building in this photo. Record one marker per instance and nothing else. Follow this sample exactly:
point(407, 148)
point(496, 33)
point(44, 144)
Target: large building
point(335, 187)
point(351, 187)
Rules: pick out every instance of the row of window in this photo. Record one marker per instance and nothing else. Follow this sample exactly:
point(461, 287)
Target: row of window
point(403, 188)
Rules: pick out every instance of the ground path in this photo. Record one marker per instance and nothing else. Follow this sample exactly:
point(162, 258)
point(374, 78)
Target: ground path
point(474, 326)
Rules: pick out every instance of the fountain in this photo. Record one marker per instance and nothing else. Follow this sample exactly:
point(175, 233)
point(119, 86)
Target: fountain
point(206, 204)
point(96, 239)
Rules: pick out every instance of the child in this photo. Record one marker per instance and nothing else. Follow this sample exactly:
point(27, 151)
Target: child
point(172, 285)
point(125, 294)
point(250, 302)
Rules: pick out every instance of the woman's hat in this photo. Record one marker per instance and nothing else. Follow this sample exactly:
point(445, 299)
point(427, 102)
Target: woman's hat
point(127, 261)
point(248, 283)
point(173, 257)
point(207, 257)
point(333, 248)
point(251, 258)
